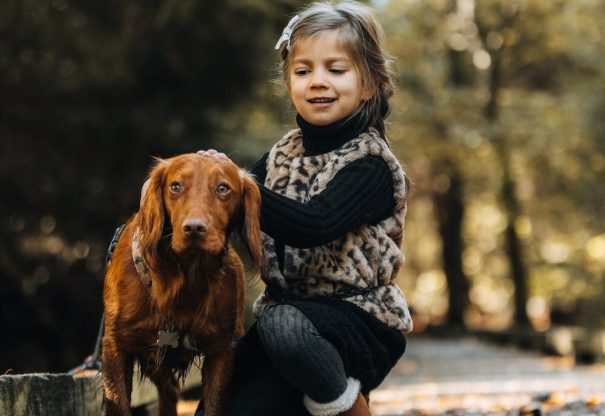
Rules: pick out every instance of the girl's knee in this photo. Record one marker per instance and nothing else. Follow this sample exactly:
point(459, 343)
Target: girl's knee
point(284, 330)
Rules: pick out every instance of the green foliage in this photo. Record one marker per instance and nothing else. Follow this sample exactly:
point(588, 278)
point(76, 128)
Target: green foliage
point(89, 92)
point(549, 104)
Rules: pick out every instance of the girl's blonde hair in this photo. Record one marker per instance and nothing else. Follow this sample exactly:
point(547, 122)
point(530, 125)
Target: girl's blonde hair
point(361, 36)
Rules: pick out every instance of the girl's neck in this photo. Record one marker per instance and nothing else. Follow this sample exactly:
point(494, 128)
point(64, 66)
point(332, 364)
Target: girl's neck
point(324, 139)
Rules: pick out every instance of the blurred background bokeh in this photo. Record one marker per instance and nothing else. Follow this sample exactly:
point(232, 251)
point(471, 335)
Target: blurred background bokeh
point(498, 119)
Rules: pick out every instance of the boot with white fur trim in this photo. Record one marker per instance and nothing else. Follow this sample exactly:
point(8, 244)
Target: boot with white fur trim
point(349, 401)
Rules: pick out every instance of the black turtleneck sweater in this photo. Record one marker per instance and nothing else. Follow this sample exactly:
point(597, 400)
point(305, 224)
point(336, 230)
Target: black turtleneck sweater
point(361, 193)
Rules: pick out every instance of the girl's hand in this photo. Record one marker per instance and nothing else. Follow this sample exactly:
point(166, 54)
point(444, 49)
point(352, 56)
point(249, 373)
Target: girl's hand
point(213, 153)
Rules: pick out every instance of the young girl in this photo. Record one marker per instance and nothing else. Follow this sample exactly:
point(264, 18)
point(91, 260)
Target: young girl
point(331, 320)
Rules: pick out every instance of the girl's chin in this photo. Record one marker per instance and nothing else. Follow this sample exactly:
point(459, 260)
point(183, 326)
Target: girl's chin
point(319, 119)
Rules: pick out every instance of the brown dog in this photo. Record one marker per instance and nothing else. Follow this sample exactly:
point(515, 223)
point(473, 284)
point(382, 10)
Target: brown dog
point(174, 289)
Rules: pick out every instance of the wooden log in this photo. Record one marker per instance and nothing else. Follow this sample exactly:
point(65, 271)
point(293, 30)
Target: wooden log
point(65, 394)
point(51, 394)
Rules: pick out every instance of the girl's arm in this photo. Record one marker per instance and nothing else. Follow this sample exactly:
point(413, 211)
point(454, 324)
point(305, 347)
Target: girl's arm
point(259, 169)
point(361, 193)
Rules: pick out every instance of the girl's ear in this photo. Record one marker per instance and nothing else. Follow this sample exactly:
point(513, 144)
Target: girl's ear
point(251, 204)
point(151, 214)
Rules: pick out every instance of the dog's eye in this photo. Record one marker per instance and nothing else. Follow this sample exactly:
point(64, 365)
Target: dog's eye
point(223, 189)
point(176, 187)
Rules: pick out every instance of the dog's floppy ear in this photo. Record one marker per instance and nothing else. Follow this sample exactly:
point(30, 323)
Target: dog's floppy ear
point(251, 219)
point(151, 213)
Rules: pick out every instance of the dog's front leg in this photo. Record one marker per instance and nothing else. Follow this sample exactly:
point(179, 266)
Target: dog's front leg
point(216, 379)
point(168, 391)
point(117, 379)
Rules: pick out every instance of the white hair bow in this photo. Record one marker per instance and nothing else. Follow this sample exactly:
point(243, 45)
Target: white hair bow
point(285, 36)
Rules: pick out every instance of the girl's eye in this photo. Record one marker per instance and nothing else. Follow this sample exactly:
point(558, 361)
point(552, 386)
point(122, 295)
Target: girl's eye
point(223, 189)
point(337, 71)
point(176, 187)
point(301, 72)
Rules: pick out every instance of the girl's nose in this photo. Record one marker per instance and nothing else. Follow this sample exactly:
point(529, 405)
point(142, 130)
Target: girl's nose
point(318, 79)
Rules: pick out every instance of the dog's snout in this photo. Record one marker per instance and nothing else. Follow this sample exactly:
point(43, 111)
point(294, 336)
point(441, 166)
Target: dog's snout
point(194, 227)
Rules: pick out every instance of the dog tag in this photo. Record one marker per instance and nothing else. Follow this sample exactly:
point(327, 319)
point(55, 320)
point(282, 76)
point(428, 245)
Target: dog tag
point(170, 338)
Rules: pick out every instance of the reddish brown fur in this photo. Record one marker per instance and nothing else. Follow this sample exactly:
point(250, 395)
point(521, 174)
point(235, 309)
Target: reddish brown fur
point(198, 283)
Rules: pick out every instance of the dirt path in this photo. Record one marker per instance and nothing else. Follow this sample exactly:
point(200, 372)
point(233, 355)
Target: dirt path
point(465, 376)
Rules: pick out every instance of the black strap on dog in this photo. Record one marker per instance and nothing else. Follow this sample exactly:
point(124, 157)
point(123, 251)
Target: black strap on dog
point(114, 243)
point(93, 361)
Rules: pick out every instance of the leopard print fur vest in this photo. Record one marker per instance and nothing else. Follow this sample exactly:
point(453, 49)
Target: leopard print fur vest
point(360, 267)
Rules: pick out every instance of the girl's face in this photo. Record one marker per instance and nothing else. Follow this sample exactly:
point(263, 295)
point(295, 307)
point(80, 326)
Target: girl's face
point(323, 83)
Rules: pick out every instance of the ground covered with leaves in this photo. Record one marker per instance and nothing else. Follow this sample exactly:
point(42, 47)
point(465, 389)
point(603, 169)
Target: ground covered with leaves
point(464, 376)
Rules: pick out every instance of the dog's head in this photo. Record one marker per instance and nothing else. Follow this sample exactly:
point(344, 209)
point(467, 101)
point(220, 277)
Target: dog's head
point(204, 199)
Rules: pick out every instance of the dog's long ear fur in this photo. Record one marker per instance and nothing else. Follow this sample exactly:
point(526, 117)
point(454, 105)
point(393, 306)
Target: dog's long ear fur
point(151, 214)
point(251, 220)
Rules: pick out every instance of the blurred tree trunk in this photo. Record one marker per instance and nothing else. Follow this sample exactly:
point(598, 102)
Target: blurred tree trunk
point(449, 208)
point(508, 196)
point(513, 244)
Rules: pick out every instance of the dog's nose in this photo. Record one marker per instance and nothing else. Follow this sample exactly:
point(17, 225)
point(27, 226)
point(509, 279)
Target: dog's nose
point(194, 227)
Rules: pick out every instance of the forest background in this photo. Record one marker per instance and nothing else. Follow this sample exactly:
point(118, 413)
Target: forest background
point(498, 119)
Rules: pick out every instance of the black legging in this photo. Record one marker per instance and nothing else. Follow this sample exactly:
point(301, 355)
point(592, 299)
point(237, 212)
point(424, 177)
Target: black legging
point(299, 361)
point(300, 354)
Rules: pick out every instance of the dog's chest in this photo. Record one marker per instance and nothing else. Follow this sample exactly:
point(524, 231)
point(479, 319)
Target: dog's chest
point(179, 358)
point(178, 349)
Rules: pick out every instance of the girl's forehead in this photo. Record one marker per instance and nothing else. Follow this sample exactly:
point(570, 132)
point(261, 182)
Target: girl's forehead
point(325, 43)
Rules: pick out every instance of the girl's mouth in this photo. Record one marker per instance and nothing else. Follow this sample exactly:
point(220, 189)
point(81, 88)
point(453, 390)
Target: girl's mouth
point(321, 100)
